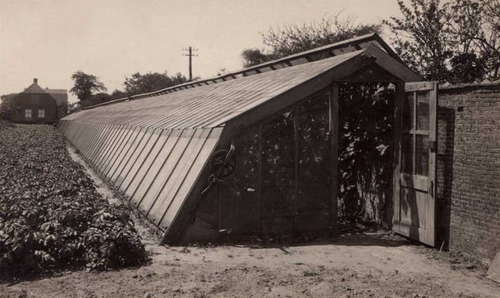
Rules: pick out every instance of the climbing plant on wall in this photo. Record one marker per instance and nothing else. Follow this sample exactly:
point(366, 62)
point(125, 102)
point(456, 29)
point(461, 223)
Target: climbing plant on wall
point(365, 151)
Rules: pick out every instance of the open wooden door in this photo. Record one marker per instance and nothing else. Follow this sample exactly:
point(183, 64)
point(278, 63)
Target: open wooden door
point(415, 162)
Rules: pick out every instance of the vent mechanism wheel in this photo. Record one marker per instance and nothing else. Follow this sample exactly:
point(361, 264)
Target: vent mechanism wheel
point(221, 166)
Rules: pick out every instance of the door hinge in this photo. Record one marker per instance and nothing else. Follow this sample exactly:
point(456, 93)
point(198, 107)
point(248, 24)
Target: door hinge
point(433, 146)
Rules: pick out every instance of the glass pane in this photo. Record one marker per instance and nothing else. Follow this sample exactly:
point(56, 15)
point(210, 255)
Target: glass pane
point(314, 119)
point(278, 150)
point(314, 164)
point(242, 195)
point(423, 110)
point(422, 163)
point(313, 184)
point(408, 111)
point(314, 147)
point(277, 210)
point(407, 153)
point(277, 201)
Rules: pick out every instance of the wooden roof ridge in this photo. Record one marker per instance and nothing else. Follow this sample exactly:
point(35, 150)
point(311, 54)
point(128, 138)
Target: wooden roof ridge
point(348, 45)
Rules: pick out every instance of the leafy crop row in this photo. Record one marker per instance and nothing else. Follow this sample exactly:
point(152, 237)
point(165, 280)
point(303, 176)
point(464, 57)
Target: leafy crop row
point(51, 215)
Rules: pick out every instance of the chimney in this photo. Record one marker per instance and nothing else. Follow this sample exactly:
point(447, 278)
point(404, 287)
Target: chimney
point(35, 80)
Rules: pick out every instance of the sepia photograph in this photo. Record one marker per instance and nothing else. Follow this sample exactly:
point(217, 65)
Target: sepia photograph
point(259, 148)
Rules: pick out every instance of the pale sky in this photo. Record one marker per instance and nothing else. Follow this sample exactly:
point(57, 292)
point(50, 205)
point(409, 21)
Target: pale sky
point(112, 39)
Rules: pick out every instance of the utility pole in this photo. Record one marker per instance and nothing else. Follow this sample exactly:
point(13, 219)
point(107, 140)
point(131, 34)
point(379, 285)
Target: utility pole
point(190, 54)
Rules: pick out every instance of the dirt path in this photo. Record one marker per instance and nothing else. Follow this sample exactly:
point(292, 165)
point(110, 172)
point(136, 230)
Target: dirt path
point(352, 266)
point(357, 265)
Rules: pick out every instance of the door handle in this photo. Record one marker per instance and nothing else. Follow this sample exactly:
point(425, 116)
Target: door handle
point(430, 189)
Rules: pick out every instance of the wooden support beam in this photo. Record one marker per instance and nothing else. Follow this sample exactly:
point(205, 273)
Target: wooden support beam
point(396, 165)
point(334, 152)
point(220, 190)
point(296, 167)
point(260, 180)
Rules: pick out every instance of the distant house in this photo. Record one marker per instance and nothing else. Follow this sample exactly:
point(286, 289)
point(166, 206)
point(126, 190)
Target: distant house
point(38, 105)
point(61, 97)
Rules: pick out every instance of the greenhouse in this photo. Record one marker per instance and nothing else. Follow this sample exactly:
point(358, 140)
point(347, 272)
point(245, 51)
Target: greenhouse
point(249, 153)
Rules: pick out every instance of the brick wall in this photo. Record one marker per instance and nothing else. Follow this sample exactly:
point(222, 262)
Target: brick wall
point(468, 214)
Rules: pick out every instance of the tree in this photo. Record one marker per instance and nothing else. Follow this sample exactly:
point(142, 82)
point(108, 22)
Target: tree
point(455, 41)
point(466, 67)
point(489, 41)
point(253, 57)
point(475, 28)
point(8, 106)
point(292, 39)
point(118, 94)
point(86, 85)
point(422, 37)
point(95, 99)
point(151, 81)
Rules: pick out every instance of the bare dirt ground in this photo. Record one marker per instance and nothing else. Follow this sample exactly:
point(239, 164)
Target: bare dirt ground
point(356, 264)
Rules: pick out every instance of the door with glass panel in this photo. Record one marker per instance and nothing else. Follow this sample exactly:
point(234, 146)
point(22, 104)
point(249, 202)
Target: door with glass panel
point(415, 163)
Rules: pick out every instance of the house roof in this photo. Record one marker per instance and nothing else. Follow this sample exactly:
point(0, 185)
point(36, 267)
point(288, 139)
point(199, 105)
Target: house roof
point(60, 95)
point(34, 89)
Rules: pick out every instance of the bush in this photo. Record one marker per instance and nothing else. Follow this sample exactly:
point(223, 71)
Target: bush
point(8, 107)
point(51, 215)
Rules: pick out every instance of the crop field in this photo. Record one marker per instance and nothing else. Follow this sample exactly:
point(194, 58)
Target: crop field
point(51, 216)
